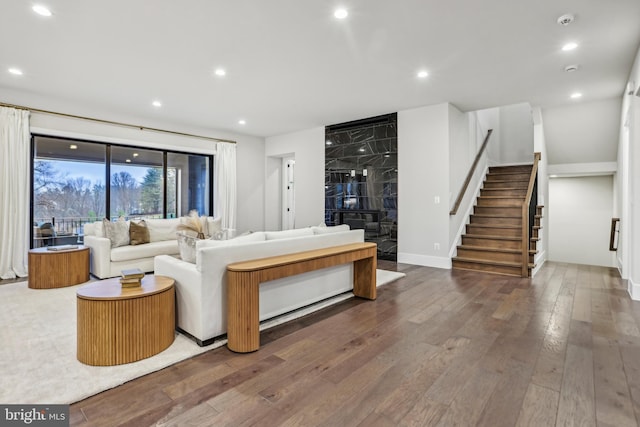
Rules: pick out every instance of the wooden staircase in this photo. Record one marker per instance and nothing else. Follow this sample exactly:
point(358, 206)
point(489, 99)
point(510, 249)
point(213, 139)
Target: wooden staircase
point(493, 240)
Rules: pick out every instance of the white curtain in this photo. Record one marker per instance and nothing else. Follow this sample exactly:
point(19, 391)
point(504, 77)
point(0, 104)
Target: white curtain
point(225, 180)
point(14, 192)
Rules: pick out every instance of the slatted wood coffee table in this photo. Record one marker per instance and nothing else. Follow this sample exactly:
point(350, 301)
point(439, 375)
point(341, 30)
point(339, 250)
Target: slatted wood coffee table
point(56, 269)
point(119, 325)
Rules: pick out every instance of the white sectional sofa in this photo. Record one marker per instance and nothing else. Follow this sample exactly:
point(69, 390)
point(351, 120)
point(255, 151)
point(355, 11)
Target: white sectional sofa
point(201, 287)
point(109, 262)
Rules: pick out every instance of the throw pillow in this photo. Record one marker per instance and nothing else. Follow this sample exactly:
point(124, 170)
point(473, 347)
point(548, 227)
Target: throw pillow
point(187, 246)
point(138, 233)
point(117, 232)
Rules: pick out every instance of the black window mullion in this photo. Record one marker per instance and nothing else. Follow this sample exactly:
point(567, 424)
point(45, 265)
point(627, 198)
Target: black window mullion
point(107, 187)
point(164, 184)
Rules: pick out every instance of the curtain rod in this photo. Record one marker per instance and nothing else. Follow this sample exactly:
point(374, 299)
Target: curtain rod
point(109, 122)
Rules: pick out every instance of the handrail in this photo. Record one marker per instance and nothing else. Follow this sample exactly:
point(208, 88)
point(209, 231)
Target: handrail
point(470, 174)
point(612, 240)
point(525, 215)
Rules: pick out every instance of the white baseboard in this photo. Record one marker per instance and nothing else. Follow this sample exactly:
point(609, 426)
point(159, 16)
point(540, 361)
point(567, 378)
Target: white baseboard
point(539, 261)
point(633, 289)
point(425, 260)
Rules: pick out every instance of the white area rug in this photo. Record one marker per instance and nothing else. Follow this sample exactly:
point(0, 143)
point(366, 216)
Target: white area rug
point(38, 362)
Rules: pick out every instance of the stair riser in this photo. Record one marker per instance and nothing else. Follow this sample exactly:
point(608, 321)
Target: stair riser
point(508, 177)
point(492, 210)
point(506, 184)
point(510, 169)
point(499, 202)
point(484, 231)
point(496, 221)
point(489, 255)
point(491, 243)
point(504, 192)
point(498, 269)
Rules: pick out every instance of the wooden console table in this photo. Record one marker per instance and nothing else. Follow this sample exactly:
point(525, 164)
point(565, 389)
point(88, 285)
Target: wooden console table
point(244, 278)
point(119, 325)
point(56, 269)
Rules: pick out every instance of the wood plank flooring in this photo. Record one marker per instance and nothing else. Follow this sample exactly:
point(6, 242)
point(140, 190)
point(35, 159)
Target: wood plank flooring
point(437, 348)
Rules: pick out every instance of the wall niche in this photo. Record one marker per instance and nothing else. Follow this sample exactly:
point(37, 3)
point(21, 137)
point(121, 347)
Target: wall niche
point(361, 179)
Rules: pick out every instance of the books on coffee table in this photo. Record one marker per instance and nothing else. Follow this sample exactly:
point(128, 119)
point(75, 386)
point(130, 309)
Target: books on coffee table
point(131, 278)
point(62, 247)
point(132, 273)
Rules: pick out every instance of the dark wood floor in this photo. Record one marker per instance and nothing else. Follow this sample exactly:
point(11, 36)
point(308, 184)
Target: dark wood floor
point(436, 348)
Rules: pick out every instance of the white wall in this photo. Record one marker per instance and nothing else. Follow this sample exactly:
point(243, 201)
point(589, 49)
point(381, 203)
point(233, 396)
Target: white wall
point(466, 136)
point(423, 161)
point(462, 150)
point(516, 135)
point(580, 212)
point(628, 182)
point(250, 154)
point(583, 132)
point(307, 147)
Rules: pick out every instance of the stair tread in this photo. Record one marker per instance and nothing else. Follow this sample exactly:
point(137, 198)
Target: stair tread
point(515, 227)
point(482, 236)
point(489, 249)
point(505, 189)
point(496, 216)
point(500, 197)
point(499, 263)
point(483, 261)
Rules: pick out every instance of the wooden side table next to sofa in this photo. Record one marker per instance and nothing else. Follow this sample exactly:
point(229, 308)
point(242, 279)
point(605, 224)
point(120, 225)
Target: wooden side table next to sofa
point(56, 269)
point(119, 325)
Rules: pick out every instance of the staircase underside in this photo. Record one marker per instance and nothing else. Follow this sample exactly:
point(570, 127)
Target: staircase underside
point(492, 241)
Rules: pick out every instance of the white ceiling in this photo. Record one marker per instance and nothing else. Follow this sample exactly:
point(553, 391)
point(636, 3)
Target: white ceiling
point(291, 65)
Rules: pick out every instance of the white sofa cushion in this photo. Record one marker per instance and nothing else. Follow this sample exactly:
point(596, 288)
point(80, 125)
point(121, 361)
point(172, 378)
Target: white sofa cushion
point(286, 234)
point(162, 229)
point(258, 236)
point(148, 250)
point(333, 229)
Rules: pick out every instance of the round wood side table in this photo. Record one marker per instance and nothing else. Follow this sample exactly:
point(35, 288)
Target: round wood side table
point(56, 269)
point(119, 325)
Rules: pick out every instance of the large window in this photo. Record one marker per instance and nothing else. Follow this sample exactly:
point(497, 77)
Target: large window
point(75, 182)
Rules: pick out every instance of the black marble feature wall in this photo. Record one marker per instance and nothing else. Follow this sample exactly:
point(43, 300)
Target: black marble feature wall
point(361, 179)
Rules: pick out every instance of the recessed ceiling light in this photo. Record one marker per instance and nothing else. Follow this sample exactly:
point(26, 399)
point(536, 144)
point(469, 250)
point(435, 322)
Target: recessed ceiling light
point(242, 122)
point(73, 147)
point(41, 10)
point(576, 95)
point(15, 71)
point(220, 72)
point(569, 46)
point(135, 154)
point(128, 160)
point(422, 74)
point(341, 13)
point(361, 149)
point(328, 142)
point(157, 104)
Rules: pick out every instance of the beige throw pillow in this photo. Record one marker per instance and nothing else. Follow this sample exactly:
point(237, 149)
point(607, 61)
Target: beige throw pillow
point(117, 232)
point(138, 233)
